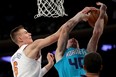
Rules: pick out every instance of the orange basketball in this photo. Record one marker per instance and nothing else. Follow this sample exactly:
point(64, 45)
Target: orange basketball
point(94, 14)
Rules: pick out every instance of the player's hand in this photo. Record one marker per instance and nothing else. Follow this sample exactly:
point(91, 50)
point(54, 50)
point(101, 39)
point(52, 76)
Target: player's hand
point(103, 6)
point(103, 9)
point(84, 13)
point(87, 9)
point(50, 58)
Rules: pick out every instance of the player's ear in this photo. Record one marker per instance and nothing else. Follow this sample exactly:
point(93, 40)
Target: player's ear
point(19, 38)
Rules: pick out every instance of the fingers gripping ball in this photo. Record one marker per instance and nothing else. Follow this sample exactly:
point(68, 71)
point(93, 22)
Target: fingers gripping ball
point(93, 16)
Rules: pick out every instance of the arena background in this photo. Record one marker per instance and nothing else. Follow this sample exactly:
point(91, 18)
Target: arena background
point(15, 12)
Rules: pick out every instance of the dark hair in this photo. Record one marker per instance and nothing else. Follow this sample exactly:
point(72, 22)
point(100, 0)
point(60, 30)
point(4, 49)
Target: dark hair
point(93, 62)
point(14, 31)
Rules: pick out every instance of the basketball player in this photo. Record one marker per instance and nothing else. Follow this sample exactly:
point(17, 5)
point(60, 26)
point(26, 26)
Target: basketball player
point(26, 61)
point(69, 57)
point(93, 64)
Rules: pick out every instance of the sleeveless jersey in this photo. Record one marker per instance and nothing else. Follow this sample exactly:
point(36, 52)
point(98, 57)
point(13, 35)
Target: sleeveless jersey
point(23, 66)
point(71, 64)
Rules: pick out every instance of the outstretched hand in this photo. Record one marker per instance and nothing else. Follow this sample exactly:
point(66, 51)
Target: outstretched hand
point(84, 13)
point(87, 9)
point(103, 9)
point(50, 58)
point(103, 6)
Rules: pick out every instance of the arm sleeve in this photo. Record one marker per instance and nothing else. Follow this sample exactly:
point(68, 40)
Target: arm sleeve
point(43, 72)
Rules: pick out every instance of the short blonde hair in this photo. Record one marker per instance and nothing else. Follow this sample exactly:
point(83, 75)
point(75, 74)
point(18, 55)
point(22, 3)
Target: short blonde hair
point(13, 33)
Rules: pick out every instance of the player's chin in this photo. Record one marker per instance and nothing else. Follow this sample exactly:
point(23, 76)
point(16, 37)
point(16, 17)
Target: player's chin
point(30, 41)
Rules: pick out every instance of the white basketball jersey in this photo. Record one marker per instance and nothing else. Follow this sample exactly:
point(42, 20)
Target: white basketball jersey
point(23, 66)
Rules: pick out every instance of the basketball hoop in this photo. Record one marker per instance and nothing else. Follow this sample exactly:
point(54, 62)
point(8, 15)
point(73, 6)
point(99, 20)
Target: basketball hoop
point(50, 8)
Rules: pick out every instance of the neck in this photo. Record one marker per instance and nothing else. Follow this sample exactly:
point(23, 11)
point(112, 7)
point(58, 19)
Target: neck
point(92, 75)
point(21, 45)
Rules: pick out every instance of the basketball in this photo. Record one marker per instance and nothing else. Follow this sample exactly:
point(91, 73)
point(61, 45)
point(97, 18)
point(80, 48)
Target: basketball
point(93, 16)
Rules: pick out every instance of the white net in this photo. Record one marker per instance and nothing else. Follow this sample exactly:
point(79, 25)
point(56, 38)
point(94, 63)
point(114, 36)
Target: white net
point(50, 8)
